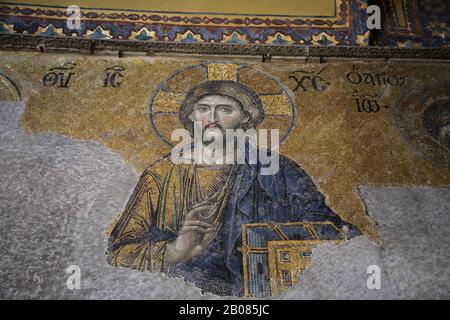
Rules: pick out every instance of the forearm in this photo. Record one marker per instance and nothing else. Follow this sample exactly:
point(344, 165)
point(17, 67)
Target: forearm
point(178, 251)
point(172, 255)
point(182, 249)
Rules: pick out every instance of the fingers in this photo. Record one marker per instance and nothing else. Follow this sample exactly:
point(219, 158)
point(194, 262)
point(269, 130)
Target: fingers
point(202, 204)
point(203, 230)
point(197, 223)
point(203, 211)
point(212, 211)
point(194, 212)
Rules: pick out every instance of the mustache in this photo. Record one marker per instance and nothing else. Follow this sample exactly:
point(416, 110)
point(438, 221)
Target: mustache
point(214, 125)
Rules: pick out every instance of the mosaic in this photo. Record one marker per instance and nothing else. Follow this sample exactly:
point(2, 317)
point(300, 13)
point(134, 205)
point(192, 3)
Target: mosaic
point(230, 229)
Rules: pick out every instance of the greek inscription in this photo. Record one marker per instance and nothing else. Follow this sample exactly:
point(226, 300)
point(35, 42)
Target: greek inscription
point(368, 103)
point(111, 76)
point(309, 80)
point(59, 76)
point(375, 79)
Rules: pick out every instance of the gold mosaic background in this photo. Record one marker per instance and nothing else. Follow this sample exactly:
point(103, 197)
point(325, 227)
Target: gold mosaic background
point(339, 147)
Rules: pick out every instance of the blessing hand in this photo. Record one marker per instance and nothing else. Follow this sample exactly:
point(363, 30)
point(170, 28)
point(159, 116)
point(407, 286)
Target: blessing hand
point(197, 232)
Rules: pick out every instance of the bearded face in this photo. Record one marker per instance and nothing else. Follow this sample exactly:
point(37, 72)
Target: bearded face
point(219, 105)
point(217, 113)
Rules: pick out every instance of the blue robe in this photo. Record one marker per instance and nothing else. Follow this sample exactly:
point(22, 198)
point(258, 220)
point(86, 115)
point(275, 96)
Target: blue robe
point(287, 196)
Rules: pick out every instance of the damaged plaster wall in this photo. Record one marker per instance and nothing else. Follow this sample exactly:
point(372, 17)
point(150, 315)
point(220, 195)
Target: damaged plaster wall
point(413, 253)
point(58, 194)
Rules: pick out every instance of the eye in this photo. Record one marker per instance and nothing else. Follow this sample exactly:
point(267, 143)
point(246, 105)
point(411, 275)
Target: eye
point(226, 109)
point(201, 109)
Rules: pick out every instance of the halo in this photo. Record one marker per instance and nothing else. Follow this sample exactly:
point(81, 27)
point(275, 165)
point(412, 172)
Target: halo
point(166, 99)
point(408, 115)
point(9, 91)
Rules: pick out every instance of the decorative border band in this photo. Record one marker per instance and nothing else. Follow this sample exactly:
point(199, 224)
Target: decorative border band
point(340, 19)
point(346, 27)
point(30, 42)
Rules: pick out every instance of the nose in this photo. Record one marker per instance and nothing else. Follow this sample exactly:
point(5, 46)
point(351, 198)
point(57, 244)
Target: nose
point(212, 115)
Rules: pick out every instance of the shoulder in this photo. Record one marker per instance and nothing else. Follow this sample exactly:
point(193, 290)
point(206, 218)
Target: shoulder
point(287, 163)
point(295, 177)
point(161, 170)
point(288, 168)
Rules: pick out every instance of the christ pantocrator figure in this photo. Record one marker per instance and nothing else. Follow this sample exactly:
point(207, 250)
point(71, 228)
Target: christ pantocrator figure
point(186, 219)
